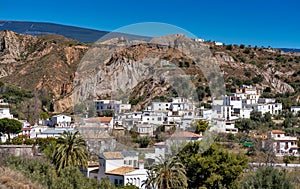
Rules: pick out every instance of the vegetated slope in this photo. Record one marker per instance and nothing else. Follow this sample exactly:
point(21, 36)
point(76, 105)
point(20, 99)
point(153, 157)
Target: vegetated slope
point(48, 63)
point(239, 65)
point(253, 65)
point(14, 179)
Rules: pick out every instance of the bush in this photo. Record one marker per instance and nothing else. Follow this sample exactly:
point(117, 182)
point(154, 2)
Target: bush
point(247, 74)
point(42, 172)
point(267, 178)
point(187, 64)
point(246, 51)
point(229, 47)
point(267, 90)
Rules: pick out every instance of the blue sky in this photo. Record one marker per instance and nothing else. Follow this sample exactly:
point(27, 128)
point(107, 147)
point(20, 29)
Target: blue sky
point(256, 22)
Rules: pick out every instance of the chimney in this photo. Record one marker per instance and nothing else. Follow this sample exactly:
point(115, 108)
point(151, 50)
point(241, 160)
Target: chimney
point(141, 164)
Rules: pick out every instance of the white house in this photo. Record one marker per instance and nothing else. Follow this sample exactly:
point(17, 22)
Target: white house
point(284, 145)
point(206, 113)
point(144, 130)
point(59, 121)
point(137, 115)
point(159, 152)
point(245, 89)
point(112, 166)
point(156, 118)
point(218, 43)
point(201, 40)
point(224, 126)
point(266, 100)
point(223, 111)
point(179, 139)
point(131, 158)
point(35, 131)
point(272, 108)
point(245, 112)
point(5, 113)
point(174, 119)
point(295, 109)
point(53, 132)
point(230, 128)
point(160, 106)
point(233, 101)
point(115, 105)
point(185, 136)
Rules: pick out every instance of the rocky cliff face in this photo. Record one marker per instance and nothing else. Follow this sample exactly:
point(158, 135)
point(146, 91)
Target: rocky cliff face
point(131, 70)
point(72, 73)
point(39, 63)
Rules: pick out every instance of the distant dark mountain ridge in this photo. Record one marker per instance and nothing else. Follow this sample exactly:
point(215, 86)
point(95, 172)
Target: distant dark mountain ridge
point(290, 50)
point(80, 34)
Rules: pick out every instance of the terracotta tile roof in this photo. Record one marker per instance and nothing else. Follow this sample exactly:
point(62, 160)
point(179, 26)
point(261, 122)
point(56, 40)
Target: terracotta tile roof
point(112, 155)
point(121, 170)
point(98, 119)
point(26, 128)
point(186, 134)
point(277, 132)
point(91, 120)
point(105, 119)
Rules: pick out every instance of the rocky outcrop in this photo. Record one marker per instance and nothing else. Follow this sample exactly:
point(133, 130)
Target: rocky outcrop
point(39, 63)
point(120, 69)
point(116, 70)
point(13, 47)
point(269, 79)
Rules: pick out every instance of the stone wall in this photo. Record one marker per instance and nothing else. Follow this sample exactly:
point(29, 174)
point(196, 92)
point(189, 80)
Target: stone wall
point(16, 150)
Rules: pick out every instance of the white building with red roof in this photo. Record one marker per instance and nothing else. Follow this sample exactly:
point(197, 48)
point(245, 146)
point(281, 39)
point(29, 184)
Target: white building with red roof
point(121, 168)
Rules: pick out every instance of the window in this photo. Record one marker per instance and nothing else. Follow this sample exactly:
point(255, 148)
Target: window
point(135, 163)
point(286, 145)
point(116, 181)
point(121, 182)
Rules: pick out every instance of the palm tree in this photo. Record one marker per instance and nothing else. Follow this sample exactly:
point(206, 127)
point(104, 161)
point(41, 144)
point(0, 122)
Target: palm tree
point(167, 174)
point(149, 182)
point(71, 150)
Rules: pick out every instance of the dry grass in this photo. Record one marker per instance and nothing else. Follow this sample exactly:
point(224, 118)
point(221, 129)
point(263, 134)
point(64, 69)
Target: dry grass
point(10, 179)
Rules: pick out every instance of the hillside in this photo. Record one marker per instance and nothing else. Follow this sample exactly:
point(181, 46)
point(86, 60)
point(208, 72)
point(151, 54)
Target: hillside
point(47, 65)
point(133, 73)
